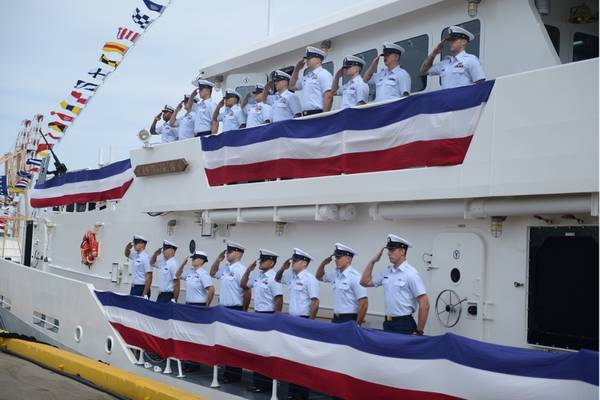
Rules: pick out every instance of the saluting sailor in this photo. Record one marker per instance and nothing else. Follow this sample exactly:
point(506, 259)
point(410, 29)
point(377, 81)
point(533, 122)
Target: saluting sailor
point(258, 113)
point(350, 300)
point(167, 132)
point(139, 260)
point(304, 287)
point(355, 92)
point(231, 294)
point(459, 68)
point(199, 287)
point(185, 123)
point(403, 289)
point(232, 116)
point(204, 108)
point(315, 83)
point(286, 105)
point(304, 299)
point(393, 82)
point(168, 282)
point(268, 298)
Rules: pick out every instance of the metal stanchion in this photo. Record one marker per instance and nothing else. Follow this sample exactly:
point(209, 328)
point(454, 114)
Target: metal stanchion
point(215, 381)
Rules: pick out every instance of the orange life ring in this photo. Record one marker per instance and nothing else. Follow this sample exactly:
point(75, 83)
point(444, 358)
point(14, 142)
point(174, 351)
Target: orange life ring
point(89, 248)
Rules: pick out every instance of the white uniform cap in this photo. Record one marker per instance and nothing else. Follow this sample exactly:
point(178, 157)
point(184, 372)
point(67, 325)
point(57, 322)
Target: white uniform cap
point(235, 246)
point(268, 254)
point(281, 75)
point(458, 32)
point(392, 47)
point(397, 241)
point(139, 237)
point(301, 254)
point(353, 60)
point(166, 243)
point(231, 92)
point(314, 51)
point(204, 82)
point(258, 87)
point(168, 108)
point(343, 250)
point(200, 254)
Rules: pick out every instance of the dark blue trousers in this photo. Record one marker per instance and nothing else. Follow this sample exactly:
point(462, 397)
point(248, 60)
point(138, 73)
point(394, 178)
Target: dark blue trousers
point(138, 290)
point(405, 324)
point(164, 297)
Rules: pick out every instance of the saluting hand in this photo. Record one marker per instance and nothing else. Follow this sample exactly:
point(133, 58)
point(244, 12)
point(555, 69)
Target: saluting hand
point(440, 46)
point(158, 251)
point(327, 260)
point(300, 64)
point(378, 255)
point(221, 256)
point(129, 246)
point(221, 103)
point(287, 263)
point(157, 118)
point(339, 72)
point(252, 266)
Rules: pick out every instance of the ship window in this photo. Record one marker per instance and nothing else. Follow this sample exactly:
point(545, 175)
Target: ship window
point(416, 50)
point(243, 90)
point(584, 46)
point(473, 26)
point(554, 34)
point(563, 287)
point(368, 56)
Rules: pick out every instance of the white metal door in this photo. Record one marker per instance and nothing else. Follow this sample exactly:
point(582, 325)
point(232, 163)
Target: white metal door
point(456, 270)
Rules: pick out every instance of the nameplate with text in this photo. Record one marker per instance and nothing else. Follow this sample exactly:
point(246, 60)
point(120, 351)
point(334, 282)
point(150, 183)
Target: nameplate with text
point(161, 168)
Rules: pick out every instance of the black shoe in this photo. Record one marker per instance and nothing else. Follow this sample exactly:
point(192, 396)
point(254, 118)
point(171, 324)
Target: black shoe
point(251, 388)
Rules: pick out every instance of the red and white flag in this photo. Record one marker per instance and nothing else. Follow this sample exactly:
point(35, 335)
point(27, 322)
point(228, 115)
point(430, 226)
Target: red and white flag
point(127, 34)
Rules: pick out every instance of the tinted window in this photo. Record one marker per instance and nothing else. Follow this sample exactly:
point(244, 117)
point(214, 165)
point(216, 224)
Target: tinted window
point(368, 56)
point(554, 34)
point(243, 90)
point(584, 46)
point(474, 27)
point(416, 50)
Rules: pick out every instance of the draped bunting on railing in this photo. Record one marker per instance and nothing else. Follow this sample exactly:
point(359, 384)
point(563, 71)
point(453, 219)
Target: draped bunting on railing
point(422, 130)
point(347, 361)
point(107, 183)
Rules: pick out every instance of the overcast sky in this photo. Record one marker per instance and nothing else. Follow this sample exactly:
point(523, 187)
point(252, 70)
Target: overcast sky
point(48, 45)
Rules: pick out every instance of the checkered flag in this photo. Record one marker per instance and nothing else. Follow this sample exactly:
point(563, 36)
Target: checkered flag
point(142, 20)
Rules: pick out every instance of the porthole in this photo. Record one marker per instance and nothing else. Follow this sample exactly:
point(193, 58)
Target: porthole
point(108, 346)
point(78, 333)
point(455, 275)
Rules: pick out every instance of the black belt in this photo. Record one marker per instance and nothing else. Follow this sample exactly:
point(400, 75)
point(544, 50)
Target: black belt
point(346, 315)
point(165, 292)
point(264, 312)
point(195, 304)
point(203, 133)
point(235, 307)
point(390, 318)
point(311, 112)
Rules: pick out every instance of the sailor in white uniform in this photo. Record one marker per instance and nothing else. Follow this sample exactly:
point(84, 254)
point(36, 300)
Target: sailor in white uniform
point(315, 83)
point(459, 68)
point(203, 109)
point(304, 299)
point(355, 92)
point(268, 298)
point(199, 287)
point(184, 123)
point(350, 300)
point(168, 283)
point(403, 289)
point(231, 294)
point(167, 132)
point(232, 116)
point(257, 113)
point(393, 82)
point(286, 105)
point(139, 261)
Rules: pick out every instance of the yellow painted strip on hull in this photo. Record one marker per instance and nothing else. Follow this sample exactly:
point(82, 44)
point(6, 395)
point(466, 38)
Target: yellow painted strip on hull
point(102, 375)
